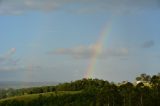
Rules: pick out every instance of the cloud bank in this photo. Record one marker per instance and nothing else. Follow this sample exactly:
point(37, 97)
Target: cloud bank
point(88, 51)
point(16, 7)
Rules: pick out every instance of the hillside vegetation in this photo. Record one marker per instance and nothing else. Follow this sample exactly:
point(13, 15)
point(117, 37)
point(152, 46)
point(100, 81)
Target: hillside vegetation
point(88, 92)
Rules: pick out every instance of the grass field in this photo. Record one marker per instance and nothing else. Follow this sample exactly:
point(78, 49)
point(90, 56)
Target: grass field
point(30, 97)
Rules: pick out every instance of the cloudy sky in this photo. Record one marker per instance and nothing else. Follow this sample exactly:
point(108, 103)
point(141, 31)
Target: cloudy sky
point(56, 40)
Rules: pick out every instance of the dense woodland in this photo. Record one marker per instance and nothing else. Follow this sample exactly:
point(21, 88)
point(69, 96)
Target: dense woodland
point(88, 92)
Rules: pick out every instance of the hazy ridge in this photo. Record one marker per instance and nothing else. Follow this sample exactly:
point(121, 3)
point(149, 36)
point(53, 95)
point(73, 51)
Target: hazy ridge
point(22, 84)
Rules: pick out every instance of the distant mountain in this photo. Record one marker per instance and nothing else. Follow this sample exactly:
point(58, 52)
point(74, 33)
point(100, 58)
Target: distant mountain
point(21, 84)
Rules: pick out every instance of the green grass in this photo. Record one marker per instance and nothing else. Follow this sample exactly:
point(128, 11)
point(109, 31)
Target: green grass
point(30, 97)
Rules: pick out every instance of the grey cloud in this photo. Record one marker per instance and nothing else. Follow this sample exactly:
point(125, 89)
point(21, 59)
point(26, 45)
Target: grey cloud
point(148, 44)
point(7, 56)
point(17, 7)
point(89, 51)
point(119, 5)
point(20, 6)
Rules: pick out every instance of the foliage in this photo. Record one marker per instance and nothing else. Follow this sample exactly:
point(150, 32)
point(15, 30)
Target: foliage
point(87, 92)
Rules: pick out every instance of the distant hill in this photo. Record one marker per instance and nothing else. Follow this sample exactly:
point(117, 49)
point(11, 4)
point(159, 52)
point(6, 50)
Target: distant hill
point(21, 84)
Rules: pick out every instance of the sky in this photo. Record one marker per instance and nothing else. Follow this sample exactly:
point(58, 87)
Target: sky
point(66, 40)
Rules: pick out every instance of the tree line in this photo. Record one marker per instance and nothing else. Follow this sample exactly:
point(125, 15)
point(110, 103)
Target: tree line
point(94, 92)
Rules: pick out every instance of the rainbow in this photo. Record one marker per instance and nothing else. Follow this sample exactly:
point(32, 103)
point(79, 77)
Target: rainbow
point(97, 50)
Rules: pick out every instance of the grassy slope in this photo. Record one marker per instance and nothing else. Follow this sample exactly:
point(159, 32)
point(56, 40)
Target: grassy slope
point(30, 97)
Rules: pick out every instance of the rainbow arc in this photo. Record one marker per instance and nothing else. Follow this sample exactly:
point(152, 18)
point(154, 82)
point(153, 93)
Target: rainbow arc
point(97, 50)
